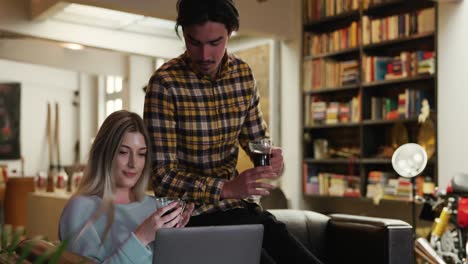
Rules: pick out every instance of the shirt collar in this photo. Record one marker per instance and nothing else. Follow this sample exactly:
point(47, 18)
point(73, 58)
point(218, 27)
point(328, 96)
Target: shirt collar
point(226, 64)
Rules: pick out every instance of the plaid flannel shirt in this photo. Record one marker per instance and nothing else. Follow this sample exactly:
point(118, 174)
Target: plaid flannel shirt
point(196, 125)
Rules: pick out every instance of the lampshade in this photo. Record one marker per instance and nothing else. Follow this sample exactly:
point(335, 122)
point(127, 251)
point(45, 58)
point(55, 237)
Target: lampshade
point(409, 160)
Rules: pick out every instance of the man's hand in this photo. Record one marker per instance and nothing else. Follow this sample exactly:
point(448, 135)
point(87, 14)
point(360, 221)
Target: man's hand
point(246, 184)
point(276, 160)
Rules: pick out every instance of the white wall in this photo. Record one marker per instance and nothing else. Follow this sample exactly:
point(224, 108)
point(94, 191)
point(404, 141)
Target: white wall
point(50, 53)
point(140, 70)
point(39, 85)
point(87, 64)
point(291, 110)
point(452, 123)
point(87, 116)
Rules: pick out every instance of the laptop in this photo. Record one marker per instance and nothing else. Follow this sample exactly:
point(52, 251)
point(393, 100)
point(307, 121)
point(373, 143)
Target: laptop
point(232, 244)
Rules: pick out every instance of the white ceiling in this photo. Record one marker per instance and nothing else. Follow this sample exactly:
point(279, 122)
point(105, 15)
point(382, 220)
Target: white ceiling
point(102, 28)
point(115, 20)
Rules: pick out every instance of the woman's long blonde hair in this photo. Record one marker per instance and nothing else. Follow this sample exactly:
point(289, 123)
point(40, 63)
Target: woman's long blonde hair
point(97, 177)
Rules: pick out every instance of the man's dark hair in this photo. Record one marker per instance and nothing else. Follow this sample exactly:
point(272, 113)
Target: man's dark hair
point(193, 12)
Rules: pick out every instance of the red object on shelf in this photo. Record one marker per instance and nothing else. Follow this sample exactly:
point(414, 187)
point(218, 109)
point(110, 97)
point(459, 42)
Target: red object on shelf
point(463, 212)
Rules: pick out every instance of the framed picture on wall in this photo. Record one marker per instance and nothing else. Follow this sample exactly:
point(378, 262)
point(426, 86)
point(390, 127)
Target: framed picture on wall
point(10, 121)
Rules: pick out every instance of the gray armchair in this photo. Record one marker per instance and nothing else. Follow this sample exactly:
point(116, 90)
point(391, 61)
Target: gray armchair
point(340, 238)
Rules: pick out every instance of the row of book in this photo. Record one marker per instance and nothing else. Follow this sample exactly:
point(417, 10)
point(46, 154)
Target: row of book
point(380, 185)
point(317, 9)
point(321, 112)
point(391, 188)
point(322, 74)
point(407, 64)
point(387, 185)
point(373, 31)
point(330, 184)
point(341, 39)
point(397, 26)
point(407, 105)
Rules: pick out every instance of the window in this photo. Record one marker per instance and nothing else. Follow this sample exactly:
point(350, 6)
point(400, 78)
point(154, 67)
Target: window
point(113, 94)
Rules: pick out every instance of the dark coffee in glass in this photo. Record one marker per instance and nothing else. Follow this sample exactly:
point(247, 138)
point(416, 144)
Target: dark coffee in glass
point(260, 151)
point(261, 159)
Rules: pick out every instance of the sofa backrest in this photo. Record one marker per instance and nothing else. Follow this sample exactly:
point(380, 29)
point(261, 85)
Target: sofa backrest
point(307, 226)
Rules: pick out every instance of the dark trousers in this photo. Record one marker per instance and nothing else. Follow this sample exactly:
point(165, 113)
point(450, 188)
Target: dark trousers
point(279, 246)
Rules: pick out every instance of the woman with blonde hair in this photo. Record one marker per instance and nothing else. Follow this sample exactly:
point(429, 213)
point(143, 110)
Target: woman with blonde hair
point(110, 218)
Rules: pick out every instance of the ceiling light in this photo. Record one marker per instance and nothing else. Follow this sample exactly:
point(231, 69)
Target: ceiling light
point(72, 46)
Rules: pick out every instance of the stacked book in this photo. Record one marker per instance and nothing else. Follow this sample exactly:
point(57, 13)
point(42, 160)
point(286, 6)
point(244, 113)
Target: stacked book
point(340, 39)
point(397, 26)
point(407, 64)
point(376, 180)
point(407, 105)
point(330, 184)
point(322, 74)
point(387, 185)
point(320, 112)
point(317, 9)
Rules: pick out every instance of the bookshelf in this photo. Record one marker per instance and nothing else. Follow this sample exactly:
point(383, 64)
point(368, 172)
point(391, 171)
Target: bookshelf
point(367, 67)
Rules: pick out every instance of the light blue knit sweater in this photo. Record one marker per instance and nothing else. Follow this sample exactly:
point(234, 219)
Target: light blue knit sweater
point(120, 245)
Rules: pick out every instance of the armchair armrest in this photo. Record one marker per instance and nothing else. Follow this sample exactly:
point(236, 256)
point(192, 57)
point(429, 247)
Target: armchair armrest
point(375, 240)
point(342, 238)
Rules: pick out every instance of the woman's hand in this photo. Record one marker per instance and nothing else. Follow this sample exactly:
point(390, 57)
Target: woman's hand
point(185, 217)
point(146, 231)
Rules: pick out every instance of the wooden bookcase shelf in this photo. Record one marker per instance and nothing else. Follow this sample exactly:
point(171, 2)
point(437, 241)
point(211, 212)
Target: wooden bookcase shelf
point(376, 161)
point(403, 43)
point(333, 89)
point(391, 73)
point(351, 52)
point(329, 22)
point(396, 7)
point(329, 161)
point(386, 122)
point(330, 126)
point(404, 81)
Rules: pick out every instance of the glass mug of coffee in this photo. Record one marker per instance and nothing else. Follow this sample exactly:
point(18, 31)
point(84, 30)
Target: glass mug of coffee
point(165, 201)
point(260, 151)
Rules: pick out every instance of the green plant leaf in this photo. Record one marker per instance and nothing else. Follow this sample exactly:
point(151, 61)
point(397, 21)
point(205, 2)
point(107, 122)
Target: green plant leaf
point(4, 239)
point(14, 242)
point(25, 251)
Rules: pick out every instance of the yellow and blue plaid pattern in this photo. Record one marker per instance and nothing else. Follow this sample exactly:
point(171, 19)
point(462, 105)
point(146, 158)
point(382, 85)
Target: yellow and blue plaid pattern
point(196, 125)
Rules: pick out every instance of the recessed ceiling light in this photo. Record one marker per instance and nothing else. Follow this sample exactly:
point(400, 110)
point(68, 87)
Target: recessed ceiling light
point(72, 46)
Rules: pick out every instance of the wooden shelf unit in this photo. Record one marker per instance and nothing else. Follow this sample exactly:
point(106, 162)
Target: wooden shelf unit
point(367, 134)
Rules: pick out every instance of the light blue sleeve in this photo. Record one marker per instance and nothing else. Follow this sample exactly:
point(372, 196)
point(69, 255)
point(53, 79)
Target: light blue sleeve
point(74, 217)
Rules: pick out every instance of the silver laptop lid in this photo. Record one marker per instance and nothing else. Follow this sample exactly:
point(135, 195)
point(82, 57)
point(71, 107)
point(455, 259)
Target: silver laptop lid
point(209, 245)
